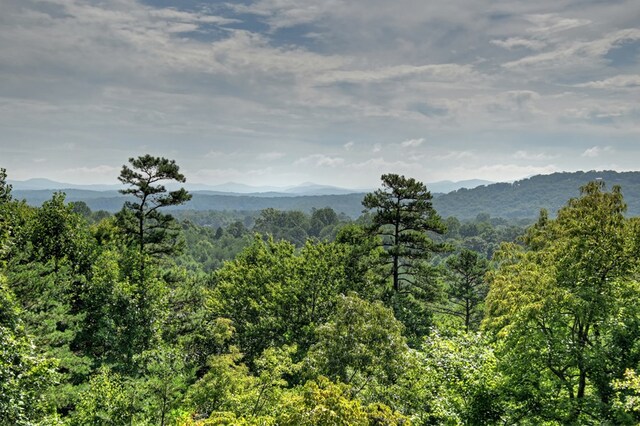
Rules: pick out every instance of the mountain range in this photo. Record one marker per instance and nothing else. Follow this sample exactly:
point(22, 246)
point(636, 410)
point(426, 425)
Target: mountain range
point(520, 199)
point(234, 188)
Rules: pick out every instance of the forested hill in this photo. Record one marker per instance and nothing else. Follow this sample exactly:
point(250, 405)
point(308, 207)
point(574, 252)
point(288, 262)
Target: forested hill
point(112, 201)
point(525, 198)
point(521, 199)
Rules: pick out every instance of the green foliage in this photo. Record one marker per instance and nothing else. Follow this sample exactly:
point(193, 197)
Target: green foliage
point(283, 225)
point(122, 313)
point(5, 188)
point(47, 299)
point(627, 399)
point(466, 288)
point(524, 198)
point(361, 342)
point(59, 234)
point(108, 401)
point(153, 232)
point(24, 375)
point(207, 248)
point(404, 217)
point(323, 403)
point(308, 330)
point(564, 309)
point(275, 296)
point(165, 378)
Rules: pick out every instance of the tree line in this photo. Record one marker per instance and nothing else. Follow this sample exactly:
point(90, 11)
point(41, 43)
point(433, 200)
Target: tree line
point(283, 318)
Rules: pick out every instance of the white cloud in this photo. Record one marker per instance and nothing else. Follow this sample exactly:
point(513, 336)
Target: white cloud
point(412, 143)
point(577, 53)
point(625, 81)
point(550, 23)
point(109, 77)
point(434, 72)
point(270, 156)
point(530, 156)
point(503, 172)
point(454, 155)
point(518, 42)
point(596, 151)
point(97, 169)
point(319, 160)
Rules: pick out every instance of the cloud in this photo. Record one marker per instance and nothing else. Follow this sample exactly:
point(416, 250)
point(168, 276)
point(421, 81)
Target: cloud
point(286, 13)
point(551, 23)
point(596, 151)
point(512, 43)
point(577, 53)
point(270, 156)
point(412, 143)
point(430, 72)
point(303, 77)
point(503, 172)
point(529, 156)
point(625, 81)
point(454, 155)
point(319, 160)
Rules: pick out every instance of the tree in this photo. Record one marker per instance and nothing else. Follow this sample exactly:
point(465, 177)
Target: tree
point(362, 342)
point(5, 188)
point(24, 375)
point(275, 295)
point(59, 234)
point(404, 217)
point(466, 287)
point(283, 225)
point(5, 228)
point(153, 232)
point(564, 309)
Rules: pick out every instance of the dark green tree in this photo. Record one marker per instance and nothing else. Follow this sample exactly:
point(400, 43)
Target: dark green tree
point(24, 374)
point(403, 216)
point(58, 234)
point(322, 219)
point(153, 232)
point(5, 188)
point(466, 288)
point(292, 226)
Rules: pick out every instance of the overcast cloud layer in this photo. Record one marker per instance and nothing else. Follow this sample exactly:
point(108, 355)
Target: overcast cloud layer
point(277, 92)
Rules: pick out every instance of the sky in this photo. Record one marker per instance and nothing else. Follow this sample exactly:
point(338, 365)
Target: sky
point(337, 92)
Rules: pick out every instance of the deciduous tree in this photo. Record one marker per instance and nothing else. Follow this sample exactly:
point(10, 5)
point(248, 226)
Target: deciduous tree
point(564, 308)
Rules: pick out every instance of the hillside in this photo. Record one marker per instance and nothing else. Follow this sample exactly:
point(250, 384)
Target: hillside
point(525, 198)
point(112, 201)
point(520, 199)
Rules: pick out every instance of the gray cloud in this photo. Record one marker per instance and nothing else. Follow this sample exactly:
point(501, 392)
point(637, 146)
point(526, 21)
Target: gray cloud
point(271, 80)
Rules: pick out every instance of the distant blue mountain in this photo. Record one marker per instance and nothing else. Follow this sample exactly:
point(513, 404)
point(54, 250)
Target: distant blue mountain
point(446, 186)
point(520, 199)
point(234, 188)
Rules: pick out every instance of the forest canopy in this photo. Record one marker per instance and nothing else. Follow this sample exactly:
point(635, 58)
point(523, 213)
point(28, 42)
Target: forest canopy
point(275, 317)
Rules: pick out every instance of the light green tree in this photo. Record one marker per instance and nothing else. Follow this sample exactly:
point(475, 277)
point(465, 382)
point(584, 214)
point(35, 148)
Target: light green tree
point(563, 309)
point(361, 343)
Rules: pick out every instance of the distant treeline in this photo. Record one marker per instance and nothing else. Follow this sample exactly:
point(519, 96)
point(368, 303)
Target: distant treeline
point(522, 199)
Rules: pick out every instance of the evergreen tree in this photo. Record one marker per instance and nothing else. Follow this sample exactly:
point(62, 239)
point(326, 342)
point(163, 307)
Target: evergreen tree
point(153, 232)
point(403, 217)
